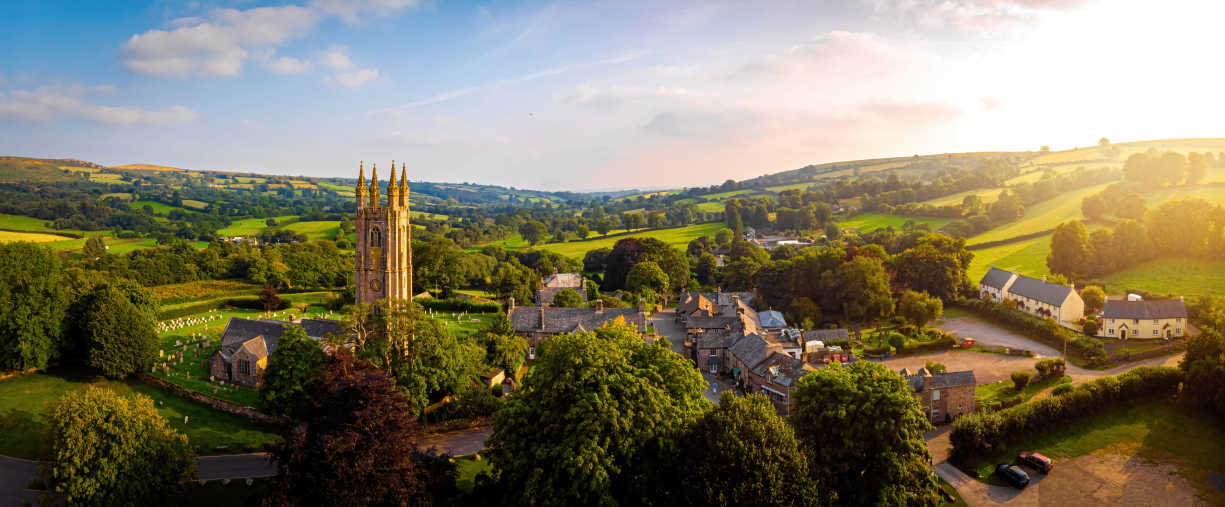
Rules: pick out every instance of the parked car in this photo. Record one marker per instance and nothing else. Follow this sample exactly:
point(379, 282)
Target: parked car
point(1013, 474)
point(1039, 462)
point(966, 343)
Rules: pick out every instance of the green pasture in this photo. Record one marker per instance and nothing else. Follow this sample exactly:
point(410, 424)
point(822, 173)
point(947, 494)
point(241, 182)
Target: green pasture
point(1042, 216)
point(326, 229)
point(711, 206)
point(1171, 275)
point(678, 237)
point(251, 226)
point(988, 195)
point(158, 208)
point(1027, 257)
point(725, 195)
point(801, 185)
point(872, 221)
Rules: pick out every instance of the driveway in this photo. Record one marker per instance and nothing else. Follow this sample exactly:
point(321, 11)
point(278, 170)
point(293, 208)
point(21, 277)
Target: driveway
point(14, 475)
point(457, 443)
point(986, 333)
point(234, 466)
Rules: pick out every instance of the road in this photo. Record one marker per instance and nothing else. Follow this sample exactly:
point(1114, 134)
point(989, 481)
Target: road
point(457, 443)
point(16, 473)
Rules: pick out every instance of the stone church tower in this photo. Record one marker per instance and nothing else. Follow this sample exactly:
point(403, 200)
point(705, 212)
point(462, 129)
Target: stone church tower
point(384, 234)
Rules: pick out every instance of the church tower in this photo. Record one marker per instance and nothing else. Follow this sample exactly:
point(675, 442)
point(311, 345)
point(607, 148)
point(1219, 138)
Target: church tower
point(384, 238)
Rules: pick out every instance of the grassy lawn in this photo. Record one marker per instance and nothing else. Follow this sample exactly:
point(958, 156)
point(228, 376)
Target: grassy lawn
point(988, 195)
point(468, 468)
point(469, 325)
point(1003, 391)
point(327, 229)
point(24, 401)
point(1042, 216)
point(873, 221)
point(1027, 257)
point(678, 237)
point(1160, 431)
point(250, 226)
point(1186, 277)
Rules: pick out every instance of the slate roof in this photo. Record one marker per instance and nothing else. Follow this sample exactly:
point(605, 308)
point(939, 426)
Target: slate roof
point(238, 331)
point(824, 335)
point(546, 295)
point(563, 280)
point(772, 319)
point(718, 339)
point(782, 369)
point(703, 322)
point(1161, 309)
point(752, 350)
point(941, 380)
point(995, 277)
point(1033, 288)
point(527, 319)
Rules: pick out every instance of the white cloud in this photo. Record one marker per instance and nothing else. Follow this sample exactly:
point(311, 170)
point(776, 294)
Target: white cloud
point(218, 44)
point(971, 15)
point(357, 78)
point(46, 103)
point(288, 65)
point(614, 96)
point(336, 58)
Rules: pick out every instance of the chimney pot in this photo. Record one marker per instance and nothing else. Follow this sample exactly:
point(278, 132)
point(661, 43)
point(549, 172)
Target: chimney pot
point(599, 305)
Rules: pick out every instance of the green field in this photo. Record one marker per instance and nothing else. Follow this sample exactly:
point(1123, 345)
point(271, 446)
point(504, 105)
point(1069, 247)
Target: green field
point(250, 226)
point(988, 195)
point(193, 204)
point(1004, 391)
point(23, 223)
point(37, 237)
point(1041, 217)
point(1183, 277)
point(1160, 431)
point(711, 207)
point(314, 231)
point(801, 185)
point(732, 193)
point(24, 400)
point(873, 221)
point(1027, 257)
point(678, 237)
point(158, 208)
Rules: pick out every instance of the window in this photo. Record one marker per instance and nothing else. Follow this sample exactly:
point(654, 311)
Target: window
point(936, 395)
point(244, 367)
point(1111, 331)
point(1178, 320)
point(531, 352)
point(1135, 332)
point(1178, 331)
point(1156, 332)
point(374, 237)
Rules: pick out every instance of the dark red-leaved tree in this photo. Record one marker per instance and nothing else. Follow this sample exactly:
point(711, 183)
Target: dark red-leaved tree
point(356, 444)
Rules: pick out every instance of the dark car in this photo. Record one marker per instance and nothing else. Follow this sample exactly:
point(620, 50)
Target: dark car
point(1013, 474)
point(1039, 462)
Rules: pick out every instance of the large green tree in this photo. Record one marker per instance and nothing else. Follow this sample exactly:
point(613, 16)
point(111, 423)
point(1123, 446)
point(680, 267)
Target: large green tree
point(567, 298)
point(741, 453)
point(116, 335)
point(293, 370)
point(861, 288)
point(34, 299)
point(596, 411)
point(109, 449)
point(1070, 254)
point(1204, 364)
point(862, 431)
point(646, 275)
point(919, 308)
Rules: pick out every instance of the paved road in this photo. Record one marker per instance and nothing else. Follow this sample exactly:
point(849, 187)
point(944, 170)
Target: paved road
point(14, 475)
point(458, 443)
point(234, 466)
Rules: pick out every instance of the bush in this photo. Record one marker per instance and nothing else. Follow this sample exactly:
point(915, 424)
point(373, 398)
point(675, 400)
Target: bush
point(459, 305)
point(1049, 366)
point(897, 341)
point(1046, 331)
point(1020, 379)
point(1091, 327)
point(944, 342)
point(254, 303)
point(982, 434)
point(474, 401)
point(1062, 389)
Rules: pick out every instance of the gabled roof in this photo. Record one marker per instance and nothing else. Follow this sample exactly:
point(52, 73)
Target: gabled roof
point(238, 331)
point(718, 339)
point(256, 347)
point(703, 322)
point(1033, 288)
point(771, 319)
point(528, 319)
point(563, 281)
point(954, 379)
point(752, 350)
point(995, 277)
point(824, 335)
point(1160, 309)
point(782, 369)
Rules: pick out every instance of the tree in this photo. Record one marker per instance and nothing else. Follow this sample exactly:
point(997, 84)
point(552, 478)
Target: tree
point(567, 298)
point(1196, 168)
point(512, 280)
point(1103, 142)
point(926, 268)
point(355, 444)
point(646, 275)
point(1020, 379)
point(1204, 366)
point(533, 231)
point(94, 248)
point(116, 336)
point(1131, 206)
point(707, 269)
point(934, 367)
point(293, 369)
point(505, 351)
point(1094, 206)
point(745, 454)
point(109, 449)
point(270, 299)
point(34, 299)
point(832, 231)
point(1173, 167)
point(628, 396)
point(724, 237)
point(1091, 328)
point(885, 463)
point(919, 308)
point(861, 288)
point(1094, 298)
point(1070, 254)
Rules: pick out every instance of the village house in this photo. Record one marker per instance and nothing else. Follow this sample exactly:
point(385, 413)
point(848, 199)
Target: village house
point(776, 377)
point(246, 345)
point(1034, 296)
point(944, 396)
point(538, 323)
point(1134, 318)
point(557, 282)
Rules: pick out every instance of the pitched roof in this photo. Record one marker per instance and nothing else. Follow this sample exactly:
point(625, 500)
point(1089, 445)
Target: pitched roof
point(940, 380)
point(563, 281)
point(546, 295)
point(703, 322)
point(825, 335)
point(1160, 309)
point(772, 319)
point(718, 339)
point(528, 319)
point(1033, 288)
point(782, 369)
point(995, 277)
point(238, 331)
point(751, 350)
point(257, 347)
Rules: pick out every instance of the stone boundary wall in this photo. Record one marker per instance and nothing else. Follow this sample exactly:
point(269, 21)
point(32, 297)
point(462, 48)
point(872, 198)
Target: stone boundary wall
point(1163, 351)
point(224, 406)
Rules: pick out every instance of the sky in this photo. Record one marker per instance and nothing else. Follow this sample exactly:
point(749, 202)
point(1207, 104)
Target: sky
point(595, 95)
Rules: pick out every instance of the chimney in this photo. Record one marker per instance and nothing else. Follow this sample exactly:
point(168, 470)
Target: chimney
point(599, 306)
point(510, 304)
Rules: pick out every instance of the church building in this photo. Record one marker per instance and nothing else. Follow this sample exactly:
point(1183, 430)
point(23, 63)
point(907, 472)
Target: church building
point(384, 237)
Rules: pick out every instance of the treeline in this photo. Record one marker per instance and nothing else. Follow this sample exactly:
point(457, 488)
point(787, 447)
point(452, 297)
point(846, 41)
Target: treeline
point(979, 217)
point(1189, 227)
point(1154, 168)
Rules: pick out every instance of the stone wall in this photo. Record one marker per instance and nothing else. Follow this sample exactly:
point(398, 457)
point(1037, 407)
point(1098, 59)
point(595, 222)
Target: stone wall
point(224, 406)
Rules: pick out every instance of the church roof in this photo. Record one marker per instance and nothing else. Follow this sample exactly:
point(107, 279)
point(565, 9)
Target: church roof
point(540, 319)
point(239, 331)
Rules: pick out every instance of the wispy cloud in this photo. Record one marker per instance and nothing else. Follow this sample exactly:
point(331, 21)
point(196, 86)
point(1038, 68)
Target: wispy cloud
point(46, 103)
point(461, 92)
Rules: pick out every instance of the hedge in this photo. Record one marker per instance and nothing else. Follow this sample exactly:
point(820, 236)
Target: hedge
point(254, 303)
point(459, 305)
point(985, 434)
point(1045, 331)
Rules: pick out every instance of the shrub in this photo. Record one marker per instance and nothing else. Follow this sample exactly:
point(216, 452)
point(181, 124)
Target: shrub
point(1091, 327)
point(1020, 379)
point(1049, 366)
point(942, 343)
point(897, 341)
point(254, 303)
point(934, 367)
point(981, 434)
point(1062, 389)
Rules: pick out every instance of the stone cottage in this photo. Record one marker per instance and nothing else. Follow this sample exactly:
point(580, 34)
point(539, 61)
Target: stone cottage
point(246, 345)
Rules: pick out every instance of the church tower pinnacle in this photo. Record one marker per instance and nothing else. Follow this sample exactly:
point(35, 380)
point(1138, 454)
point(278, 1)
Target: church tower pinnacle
point(384, 257)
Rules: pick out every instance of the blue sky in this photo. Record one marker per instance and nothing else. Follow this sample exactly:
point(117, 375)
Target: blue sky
point(594, 95)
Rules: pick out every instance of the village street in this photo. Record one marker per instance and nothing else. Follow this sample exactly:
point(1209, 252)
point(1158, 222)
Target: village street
point(16, 473)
